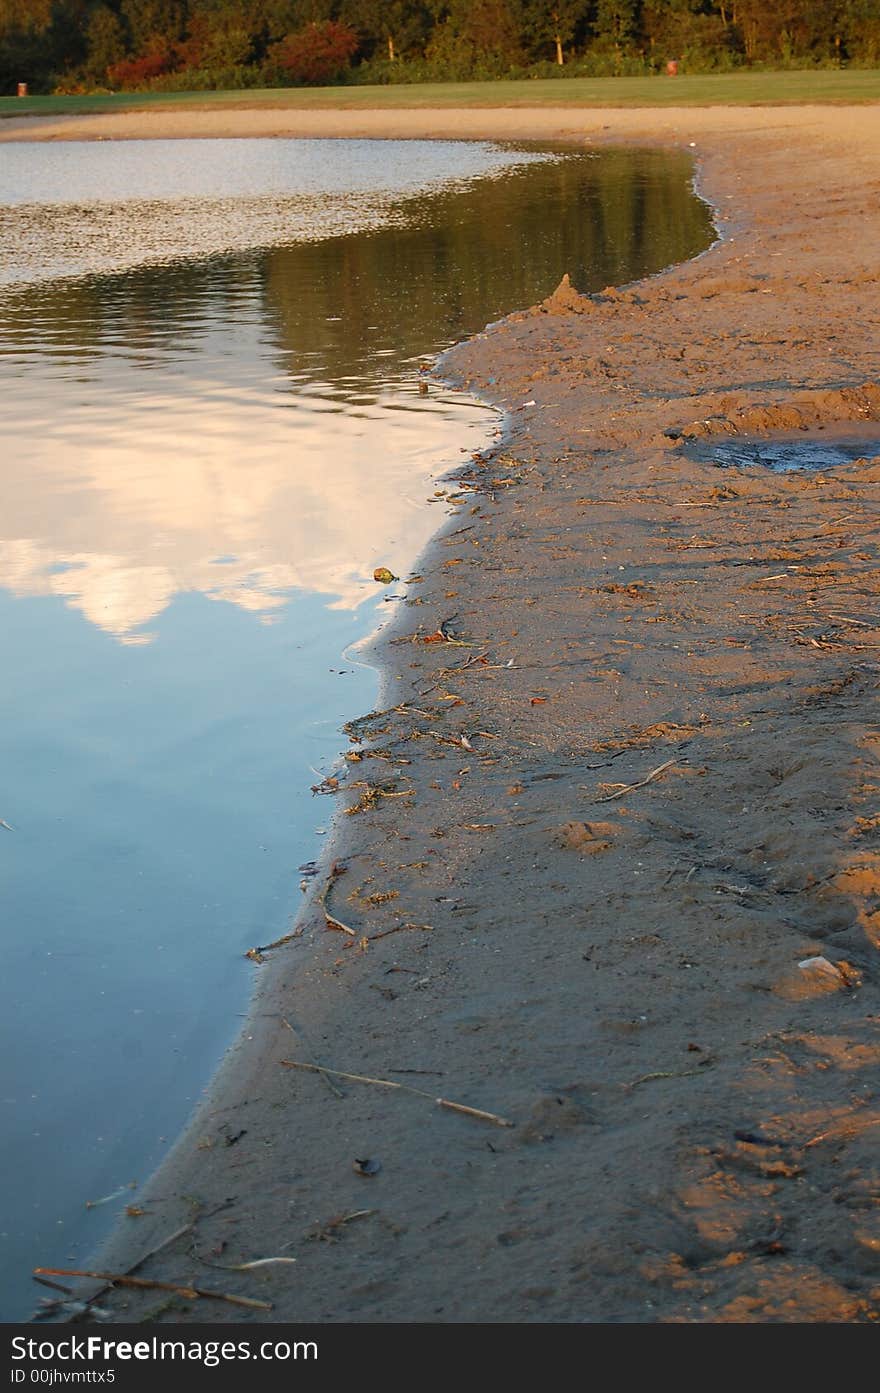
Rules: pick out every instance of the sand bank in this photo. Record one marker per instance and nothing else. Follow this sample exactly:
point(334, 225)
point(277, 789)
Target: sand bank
point(492, 123)
point(631, 796)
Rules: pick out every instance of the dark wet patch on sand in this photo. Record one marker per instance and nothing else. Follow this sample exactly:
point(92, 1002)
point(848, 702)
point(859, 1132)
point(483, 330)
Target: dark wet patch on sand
point(787, 455)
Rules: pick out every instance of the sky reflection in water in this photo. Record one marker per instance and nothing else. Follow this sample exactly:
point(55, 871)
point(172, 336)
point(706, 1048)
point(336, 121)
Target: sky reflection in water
point(206, 453)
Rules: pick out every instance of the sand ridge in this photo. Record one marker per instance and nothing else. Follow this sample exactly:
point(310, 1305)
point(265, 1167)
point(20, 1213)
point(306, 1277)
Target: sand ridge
point(848, 124)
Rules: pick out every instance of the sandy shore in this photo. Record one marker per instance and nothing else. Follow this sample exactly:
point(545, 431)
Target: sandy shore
point(592, 838)
point(852, 125)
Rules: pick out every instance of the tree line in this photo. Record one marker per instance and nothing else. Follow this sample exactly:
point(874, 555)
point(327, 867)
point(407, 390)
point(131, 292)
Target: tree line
point(118, 45)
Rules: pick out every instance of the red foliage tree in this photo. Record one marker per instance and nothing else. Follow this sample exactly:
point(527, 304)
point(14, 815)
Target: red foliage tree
point(158, 58)
point(318, 53)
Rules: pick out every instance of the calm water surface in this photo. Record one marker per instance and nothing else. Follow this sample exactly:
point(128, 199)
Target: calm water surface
point(211, 435)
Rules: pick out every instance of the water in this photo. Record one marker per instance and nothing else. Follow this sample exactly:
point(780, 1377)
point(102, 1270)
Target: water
point(784, 455)
point(212, 435)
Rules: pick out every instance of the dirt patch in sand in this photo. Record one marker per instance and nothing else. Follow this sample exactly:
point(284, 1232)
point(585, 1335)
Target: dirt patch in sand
point(624, 784)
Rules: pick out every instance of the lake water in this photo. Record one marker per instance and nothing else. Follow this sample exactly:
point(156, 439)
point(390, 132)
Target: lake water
point(212, 433)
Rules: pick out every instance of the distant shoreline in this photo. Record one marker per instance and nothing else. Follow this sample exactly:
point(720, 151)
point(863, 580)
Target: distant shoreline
point(669, 125)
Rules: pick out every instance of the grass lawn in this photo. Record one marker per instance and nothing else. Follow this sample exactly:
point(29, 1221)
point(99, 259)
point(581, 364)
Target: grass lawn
point(713, 89)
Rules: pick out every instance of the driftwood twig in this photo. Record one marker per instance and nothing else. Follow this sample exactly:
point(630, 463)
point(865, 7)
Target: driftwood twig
point(839, 1133)
point(256, 954)
point(404, 1087)
point(628, 788)
point(664, 1074)
point(398, 928)
point(336, 870)
point(121, 1279)
point(144, 1258)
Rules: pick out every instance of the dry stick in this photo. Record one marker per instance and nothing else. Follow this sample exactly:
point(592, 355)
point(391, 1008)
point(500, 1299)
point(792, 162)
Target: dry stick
point(242, 1266)
point(836, 1134)
point(671, 874)
point(330, 919)
point(172, 1237)
point(654, 774)
point(446, 739)
point(119, 1279)
point(335, 872)
point(256, 954)
point(405, 1087)
point(333, 1087)
point(847, 619)
point(863, 516)
point(159, 1248)
point(356, 1214)
point(454, 671)
point(664, 1074)
point(56, 1286)
point(398, 928)
point(607, 763)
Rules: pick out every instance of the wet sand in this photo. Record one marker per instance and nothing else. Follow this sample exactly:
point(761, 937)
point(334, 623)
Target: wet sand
point(623, 783)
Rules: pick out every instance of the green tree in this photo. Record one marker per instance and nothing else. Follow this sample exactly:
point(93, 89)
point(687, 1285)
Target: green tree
point(39, 39)
point(21, 16)
point(22, 49)
point(553, 24)
point(476, 37)
point(226, 34)
point(494, 26)
point(105, 41)
point(616, 23)
point(857, 35)
point(220, 34)
point(153, 22)
point(397, 27)
point(314, 11)
point(696, 29)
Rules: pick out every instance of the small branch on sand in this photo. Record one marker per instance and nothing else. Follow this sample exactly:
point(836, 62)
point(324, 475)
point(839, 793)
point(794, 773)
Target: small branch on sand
point(245, 1266)
point(39, 1272)
point(256, 954)
point(333, 1087)
point(608, 762)
point(665, 1074)
point(120, 1279)
point(333, 923)
point(447, 672)
point(332, 1230)
point(336, 870)
point(56, 1286)
point(845, 619)
point(398, 928)
point(369, 799)
point(404, 1087)
point(628, 788)
point(841, 1133)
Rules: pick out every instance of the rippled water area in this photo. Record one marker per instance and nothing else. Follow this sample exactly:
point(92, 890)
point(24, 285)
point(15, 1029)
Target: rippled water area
point(211, 434)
